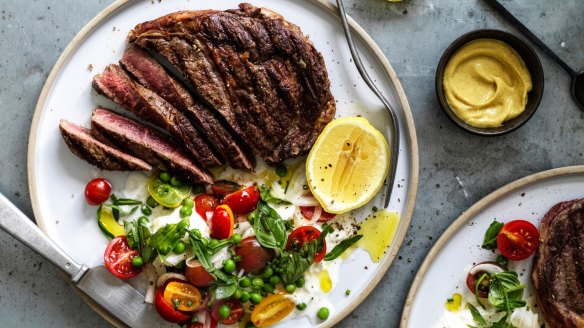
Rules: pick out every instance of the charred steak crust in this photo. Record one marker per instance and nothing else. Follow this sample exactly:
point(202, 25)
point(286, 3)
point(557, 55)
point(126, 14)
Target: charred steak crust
point(558, 266)
point(85, 146)
point(147, 143)
point(258, 71)
point(148, 72)
point(116, 85)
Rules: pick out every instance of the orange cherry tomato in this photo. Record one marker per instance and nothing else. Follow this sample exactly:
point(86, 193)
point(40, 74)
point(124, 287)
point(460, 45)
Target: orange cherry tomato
point(243, 201)
point(271, 309)
point(183, 296)
point(166, 310)
point(303, 235)
point(221, 223)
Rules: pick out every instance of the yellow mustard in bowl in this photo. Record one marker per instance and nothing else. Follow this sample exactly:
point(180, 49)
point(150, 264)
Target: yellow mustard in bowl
point(486, 83)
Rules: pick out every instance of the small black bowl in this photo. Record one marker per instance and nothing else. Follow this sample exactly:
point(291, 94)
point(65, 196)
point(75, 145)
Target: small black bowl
point(531, 62)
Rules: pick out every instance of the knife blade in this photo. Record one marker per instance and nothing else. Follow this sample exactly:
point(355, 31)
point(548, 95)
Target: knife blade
point(113, 294)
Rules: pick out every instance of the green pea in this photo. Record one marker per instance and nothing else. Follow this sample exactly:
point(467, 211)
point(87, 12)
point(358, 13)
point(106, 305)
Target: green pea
point(323, 313)
point(179, 247)
point(268, 272)
point(257, 281)
point(164, 176)
point(245, 282)
point(290, 288)
point(281, 171)
point(164, 251)
point(175, 182)
point(137, 261)
point(185, 212)
point(237, 294)
point(301, 306)
point(268, 288)
point(197, 233)
point(244, 296)
point(348, 292)
point(256, 288)
point(300, 282)
point(225, 311)
point(188, 202)
point(213, 243)
point(229, 266)
point(151, 202)
point(146, 210)
point(198, 189)
point(236, 239)
point(143, 221)
point(255, 298)
point(274, 280)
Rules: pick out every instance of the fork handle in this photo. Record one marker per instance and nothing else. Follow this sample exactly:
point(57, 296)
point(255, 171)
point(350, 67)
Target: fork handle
point(17, 224)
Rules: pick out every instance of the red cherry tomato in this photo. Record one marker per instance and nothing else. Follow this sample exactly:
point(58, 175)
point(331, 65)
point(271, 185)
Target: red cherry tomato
point(303, 235)
point(205, 203)
point(235, 314)
point(221, 224)
point(196, 274)
point(243, 201)
point(254, 257)
point(97, 191)
point(308, 211)
point(223, 188)
point(118, 258)
point(167, 311)
point(517, 240)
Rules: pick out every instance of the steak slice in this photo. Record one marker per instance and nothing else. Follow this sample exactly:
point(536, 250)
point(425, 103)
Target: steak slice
point(258, 71)
point(115, 84)
point(85, 146)
point(148, 72)
point(147, 143)
point(558, 266)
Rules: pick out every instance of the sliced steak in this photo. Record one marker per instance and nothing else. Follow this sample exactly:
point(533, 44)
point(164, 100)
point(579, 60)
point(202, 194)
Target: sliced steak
point(115, 84)
point(85, 146)
point(257, 70)
point(152, 75)
point(558, 266)
point(147, 143)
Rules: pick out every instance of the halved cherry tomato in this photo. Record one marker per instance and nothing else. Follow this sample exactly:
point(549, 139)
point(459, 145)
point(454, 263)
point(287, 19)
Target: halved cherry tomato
point(196, 274)
point(303, 235)
point(205, 203)
point(166, 310)
point(517, 240)
point(221, 223)
point(308, 212)
point(235, 314)
point(183, 296)
point(223, 188)
point(271, 309)
point(478, 271)
point(118, 258)
point(97, 191)
point(243, 201)
point(254, 257)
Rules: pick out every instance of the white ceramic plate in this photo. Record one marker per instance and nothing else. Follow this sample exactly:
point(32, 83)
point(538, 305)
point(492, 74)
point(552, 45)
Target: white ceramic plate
point(57, 178)
point(442, 272)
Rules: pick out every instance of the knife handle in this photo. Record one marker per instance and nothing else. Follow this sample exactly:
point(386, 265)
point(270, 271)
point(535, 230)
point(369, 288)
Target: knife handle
point(17, 224)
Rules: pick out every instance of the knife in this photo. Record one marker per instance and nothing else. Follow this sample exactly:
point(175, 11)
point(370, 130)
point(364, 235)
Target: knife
point(113, 294)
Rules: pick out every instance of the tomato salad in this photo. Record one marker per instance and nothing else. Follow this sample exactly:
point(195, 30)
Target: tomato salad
point(229, 256)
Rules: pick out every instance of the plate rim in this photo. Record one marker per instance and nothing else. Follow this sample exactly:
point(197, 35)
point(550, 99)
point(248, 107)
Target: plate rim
point(469, 214)
point(405, 217)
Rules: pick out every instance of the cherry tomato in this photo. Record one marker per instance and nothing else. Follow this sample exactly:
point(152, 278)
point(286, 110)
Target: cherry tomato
point(517, 240)
point(223, 188)
point(271, 309)
point(197, 275)
point(243, 201)
point(183, 296)
point(254, 257)
point(234, 316)
point(97, 191)
point(166, 310)
point(221, 223)
point(480, 269)
point(303, 235)
point(118, 258)
point(308, 211)
point(205, 203)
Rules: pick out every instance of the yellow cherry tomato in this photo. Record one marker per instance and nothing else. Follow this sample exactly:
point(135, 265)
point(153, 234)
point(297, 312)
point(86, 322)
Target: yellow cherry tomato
point(182, 296)
point(271, 309)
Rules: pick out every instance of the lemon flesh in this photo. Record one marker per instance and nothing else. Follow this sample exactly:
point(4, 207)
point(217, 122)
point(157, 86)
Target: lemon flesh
point(347, 164)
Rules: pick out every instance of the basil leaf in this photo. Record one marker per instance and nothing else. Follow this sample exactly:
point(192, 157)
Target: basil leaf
point(138, 236)
point(204, 254)
point(116, 210)
point(342, 247)
point(220, 245)
point(502, 260)
point(164, 239)
point(490, 241)
point(506, 292)
point(128, 201)
point(269, 227)
point(476, 315)
point(132, 236)
point(326, 229)
point(225, 291)
point(294, 264)
point(268, 198)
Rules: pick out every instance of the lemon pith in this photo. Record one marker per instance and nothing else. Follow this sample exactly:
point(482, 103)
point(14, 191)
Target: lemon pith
point(347, 164)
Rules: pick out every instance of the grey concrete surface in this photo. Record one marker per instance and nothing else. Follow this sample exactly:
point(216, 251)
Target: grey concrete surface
point(457, 168)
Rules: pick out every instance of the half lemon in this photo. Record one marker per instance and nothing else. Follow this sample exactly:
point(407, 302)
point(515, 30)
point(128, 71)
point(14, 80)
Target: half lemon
point(347, 164)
